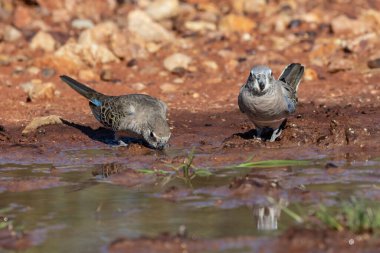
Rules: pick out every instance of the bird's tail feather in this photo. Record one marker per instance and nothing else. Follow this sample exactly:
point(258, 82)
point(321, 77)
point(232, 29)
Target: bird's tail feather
point(292, 75)
point(80, 88)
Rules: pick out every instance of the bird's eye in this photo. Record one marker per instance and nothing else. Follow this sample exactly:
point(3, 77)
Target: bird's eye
point(251, 76)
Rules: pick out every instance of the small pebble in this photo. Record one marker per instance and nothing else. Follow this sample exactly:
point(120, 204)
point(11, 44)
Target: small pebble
point(81, 24)
point(138, 86)
point(106, 75)
point(47, 72)
point(374, 64)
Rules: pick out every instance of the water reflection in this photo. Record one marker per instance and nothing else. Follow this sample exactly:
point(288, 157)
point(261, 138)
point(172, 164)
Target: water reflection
point(268, 216)
point(108, 169)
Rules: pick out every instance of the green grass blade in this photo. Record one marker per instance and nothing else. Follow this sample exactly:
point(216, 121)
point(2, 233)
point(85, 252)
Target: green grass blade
point(272, 163)
point(203, 172)
point(150, 171)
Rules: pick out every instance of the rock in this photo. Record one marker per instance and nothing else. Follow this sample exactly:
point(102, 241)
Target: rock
point(152, 47)
point(339, 64)
point(81, 24)
point(237, 5)
point(80, 54)
point(61, 16)
point(127, 46)
point(44, 41)
point(142, 25)
point(124, 45)
point(33, 70)
point(138, 86)
point(323, 50)
point(5, 60)
point(107, 75)
point(41, 121)
point(168, 88)
point(310, 74)
point(249, 6)
point(227, 53)
point(372, 17)
point(344, 25)
point(39, 25)
point(18, 70)
point(280, 43)
point(149, 70)
point(69, 54)
point(61, 63)
point(211, 65)
point(176, 61)
point(11, 34)
point(121, 47)
point(47, 72)
point(7, 9)
point(254, 6)
point(132, 63)
point(364, 42)
point(87, 75)
point(51, 5)
point(162, 9)
point(200, 26)
point(232, 65)
point(281, 22)
point(178, 80)
point(38, 90)
point(246, 37)
point(374, 64)
point(22, 16)
point(99, 34)
point(95, 10)
point(236, 23)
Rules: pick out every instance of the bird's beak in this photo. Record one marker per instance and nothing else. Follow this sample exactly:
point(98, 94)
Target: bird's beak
point(162, 145)
point(261, 82)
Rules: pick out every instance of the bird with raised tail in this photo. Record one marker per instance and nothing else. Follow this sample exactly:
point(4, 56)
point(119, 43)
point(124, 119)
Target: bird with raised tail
point(137, 114)
point(267, 101)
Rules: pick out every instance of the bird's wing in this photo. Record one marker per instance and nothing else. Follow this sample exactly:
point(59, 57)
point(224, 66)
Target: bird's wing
point(242, 107)
point(112, 110)
point(292, 75)
point(148, 103)
point(291, 103)
point(288, 95)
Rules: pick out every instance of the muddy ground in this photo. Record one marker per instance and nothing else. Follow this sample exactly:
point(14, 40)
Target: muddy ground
point(337, 118)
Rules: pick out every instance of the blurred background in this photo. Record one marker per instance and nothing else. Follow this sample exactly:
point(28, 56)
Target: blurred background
point(183, 51)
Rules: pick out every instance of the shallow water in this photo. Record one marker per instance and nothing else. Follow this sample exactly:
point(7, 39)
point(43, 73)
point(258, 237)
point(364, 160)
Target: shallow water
point(84, 213)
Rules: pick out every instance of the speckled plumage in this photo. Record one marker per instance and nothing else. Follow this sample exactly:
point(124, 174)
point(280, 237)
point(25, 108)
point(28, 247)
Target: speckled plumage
point(266, 101)
point(139, 114)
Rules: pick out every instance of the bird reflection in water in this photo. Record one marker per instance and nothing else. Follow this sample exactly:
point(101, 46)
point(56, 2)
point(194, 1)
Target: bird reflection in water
point(268, 216)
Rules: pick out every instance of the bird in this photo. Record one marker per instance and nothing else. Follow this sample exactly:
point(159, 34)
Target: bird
point(268, 102)
point(137, 114)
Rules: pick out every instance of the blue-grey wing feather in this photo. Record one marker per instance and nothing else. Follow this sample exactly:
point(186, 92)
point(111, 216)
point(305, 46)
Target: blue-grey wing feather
point(291, 78)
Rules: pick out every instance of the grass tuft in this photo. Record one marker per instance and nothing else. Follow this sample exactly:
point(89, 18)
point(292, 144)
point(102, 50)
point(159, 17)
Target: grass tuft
point(355, 216)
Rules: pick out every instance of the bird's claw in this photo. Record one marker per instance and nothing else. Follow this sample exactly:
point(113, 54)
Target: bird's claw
point(122, 144)
point(267, 134)
point(276, 133)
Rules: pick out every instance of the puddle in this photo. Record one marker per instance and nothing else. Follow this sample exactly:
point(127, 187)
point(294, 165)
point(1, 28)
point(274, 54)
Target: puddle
point(92, 205)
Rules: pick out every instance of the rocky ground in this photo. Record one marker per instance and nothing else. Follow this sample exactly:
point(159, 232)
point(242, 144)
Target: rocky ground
point(194, 55)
